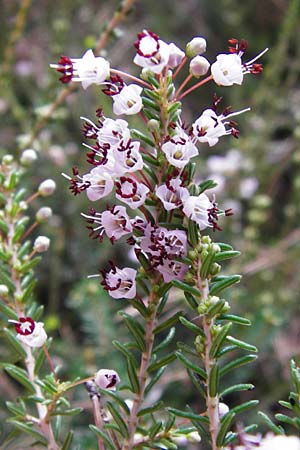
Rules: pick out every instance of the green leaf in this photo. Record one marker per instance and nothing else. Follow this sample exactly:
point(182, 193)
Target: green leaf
point(166, 341)
point(241, 344)
point(162, 362)
point(14, 343)
point(213, 380)
point(19, 375)
point(8, 312)
point(28, 291)
point(193, 233)
point(20, 194)
point(150, 104)
point(188, 415)
point(151, 409)
point(24, 249)
point(191, 326)
point(170, 422)
point(186, 288)
point(154, 379)
point(244, 406)
point(173, 107)
point(118, 419)
point(237, 363)
point(103, 436)
point(68, 440)
point(28, 429)
point(224, 247)
point(136, 330)
point(237, 388)
point(216, 308)
point(191, 300)
point(236, 319)
point(191, 365)
point(18, 410)
point(115, 396)
point(168, 323)
point(289, 420)
point(207, 184)
point(224, 284)
point(221, 256)
point(276, 429)
point(206, 264)
point(197, 383)
point(67, 412)
point(122, 348)
point(5, 279)
point(29, 264)
point(20, 227)
point(132, 375)
point(154, 430)
point(219, 339)
point(3, 227)
point(225, 424)
point(139, 307)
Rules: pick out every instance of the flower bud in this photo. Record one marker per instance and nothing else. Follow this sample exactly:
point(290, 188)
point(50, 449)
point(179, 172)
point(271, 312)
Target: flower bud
point(43, 214)
point(4, 290)
point(7, 159)
point(199, 66)
point(28, 157)
point(41, 244)
point(196, 46)
point(223, 409)
point(47, 188)
point(107, 379)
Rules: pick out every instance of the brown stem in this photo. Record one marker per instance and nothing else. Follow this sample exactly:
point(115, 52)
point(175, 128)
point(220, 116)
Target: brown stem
point(212, 403)
point(192, 88)
point(142, 376)
point(98, 419)
point(114, 22)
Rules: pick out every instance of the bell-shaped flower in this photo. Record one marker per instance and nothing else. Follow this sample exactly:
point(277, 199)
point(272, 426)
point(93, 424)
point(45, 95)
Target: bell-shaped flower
point(29, 332)
point(131, 192)
point(115, 222)
point(209, 127)
point(86, 70)
point(128, 101)
point(197, 208)
point(113, 132)
point(107, 379)
point(179, 149)
point(172, 270)
point(101, 183)
point(229, 69)
point(172, 194)
point(176, 55)
point(152, 53)
point(128, 158)
point(120, 283)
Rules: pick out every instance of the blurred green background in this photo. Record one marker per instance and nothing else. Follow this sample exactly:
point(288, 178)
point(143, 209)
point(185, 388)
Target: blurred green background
point(258, 176)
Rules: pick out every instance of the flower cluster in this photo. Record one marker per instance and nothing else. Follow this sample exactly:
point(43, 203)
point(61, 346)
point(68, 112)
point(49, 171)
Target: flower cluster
point(151, 176)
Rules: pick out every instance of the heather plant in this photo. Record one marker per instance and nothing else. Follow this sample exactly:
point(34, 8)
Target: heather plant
point(148, 193)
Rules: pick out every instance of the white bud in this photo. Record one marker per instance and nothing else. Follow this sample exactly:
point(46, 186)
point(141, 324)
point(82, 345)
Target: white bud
point(196, 46)
point(223, 409)
point(43, 214)
point(4, 290)
point(107, 379)
point(41, 244)
point(28, 157)
point(47, 188)
point(199, 66)
point(23, 205)
point(7, 159)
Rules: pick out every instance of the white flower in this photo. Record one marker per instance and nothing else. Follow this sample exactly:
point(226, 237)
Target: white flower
point(131, 192)
point(172, 194)
point(209, 127)
point(152, 53)
point(107, 379)
point(179, 149)
point(228, 69)
point(30, 332)
point(120, 283)
point(279, 442)
point(28, 157)
point(223, 409)
point(197, 209)
point(101, 183)
point(196, 46)
point(113, 132)
point(41, 244)
point(199, 66)
point(47, 187)
point(129, 101)
point(128, 158)
point(86, 70)
point(176, 55)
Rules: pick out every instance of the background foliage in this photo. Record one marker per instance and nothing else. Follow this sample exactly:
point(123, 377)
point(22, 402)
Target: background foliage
point(258, 176)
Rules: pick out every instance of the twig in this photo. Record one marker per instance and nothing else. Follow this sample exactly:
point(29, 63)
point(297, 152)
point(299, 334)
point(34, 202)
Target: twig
point(102, 42)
